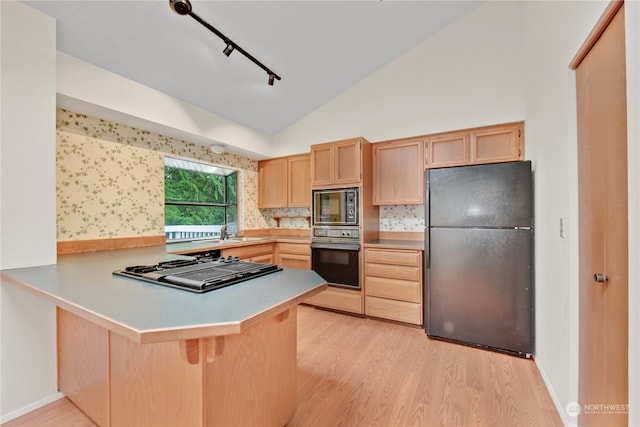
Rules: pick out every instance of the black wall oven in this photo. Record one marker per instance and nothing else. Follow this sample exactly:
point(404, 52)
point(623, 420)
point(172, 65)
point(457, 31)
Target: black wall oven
point(338, 264)
point(335, 255)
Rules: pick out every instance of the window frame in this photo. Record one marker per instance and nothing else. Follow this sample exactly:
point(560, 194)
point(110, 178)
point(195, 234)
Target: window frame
point(213, 229)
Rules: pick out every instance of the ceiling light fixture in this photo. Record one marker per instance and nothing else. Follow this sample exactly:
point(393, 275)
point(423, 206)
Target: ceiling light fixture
point(217, 148)
point(183, 7)
point(227, 50)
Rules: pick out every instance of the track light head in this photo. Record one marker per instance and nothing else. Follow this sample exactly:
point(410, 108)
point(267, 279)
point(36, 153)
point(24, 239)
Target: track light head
point(181, 7)
point(227, 50)
point(271, 77)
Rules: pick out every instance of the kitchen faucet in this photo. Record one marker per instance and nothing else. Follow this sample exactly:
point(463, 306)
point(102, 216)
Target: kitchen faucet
point(224, 234)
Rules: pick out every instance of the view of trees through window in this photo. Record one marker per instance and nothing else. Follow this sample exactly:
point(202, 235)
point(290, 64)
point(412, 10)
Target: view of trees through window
point(199, 199)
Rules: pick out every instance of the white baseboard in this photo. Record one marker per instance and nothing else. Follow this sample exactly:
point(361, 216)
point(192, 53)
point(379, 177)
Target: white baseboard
point(31, 407)
point(566, 419)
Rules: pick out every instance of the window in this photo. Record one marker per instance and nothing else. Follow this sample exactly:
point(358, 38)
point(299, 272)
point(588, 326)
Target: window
point(199, 200)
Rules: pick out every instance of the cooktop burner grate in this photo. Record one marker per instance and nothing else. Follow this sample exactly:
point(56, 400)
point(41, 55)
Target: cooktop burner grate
point(198, 276)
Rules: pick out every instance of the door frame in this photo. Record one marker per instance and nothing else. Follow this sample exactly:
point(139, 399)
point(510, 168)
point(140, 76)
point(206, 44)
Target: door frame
point(608, 15)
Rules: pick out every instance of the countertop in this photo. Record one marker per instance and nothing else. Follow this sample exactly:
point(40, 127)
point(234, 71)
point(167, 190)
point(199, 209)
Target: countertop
point(144, 312)
point(205, 245)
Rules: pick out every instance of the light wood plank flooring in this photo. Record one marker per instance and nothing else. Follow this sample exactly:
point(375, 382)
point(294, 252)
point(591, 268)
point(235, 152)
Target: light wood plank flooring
point(364, 372)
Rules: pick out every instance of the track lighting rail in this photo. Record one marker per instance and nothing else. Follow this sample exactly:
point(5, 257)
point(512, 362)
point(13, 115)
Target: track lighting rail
point(183, 7)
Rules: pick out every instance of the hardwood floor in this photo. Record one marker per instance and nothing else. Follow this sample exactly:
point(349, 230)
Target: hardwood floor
point(61, 413)
point(364, 372)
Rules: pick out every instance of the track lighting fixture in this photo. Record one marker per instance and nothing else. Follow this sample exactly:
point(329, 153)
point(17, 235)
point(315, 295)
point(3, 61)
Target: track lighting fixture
point(183, 7)
point(227, 50)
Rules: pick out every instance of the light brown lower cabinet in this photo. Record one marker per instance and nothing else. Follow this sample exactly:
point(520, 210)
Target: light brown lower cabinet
point(261, 259)
point(294, 255)
point(339, 299)
point(393, 284)
point(262, 253)
point(298, 255)
point(241, 379)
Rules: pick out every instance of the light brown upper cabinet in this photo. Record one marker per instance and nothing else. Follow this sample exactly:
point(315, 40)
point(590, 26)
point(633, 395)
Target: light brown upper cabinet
point(284, 182)
point(451, 149)
point(489, 144)
point(272, 183)
point(398, 172)
point(337, 163)
point(298, 181)
point(495, 144)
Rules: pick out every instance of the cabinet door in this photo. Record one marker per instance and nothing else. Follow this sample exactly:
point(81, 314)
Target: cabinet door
point(451, 149)
point(398, 172)
point(263, 259)
point(322, 164)
point(302, 262)
point(497, 144)
point(248, 252)
point(272, 183)
point(347, 162)
point(298, 182)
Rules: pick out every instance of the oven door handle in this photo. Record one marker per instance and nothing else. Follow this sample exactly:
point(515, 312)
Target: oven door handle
point(339, 246)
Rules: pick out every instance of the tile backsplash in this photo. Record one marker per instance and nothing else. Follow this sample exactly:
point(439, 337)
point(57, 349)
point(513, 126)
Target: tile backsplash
point(110, 183)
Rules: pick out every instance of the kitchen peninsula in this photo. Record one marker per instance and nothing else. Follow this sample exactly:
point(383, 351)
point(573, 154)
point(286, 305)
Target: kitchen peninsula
point(134, 353)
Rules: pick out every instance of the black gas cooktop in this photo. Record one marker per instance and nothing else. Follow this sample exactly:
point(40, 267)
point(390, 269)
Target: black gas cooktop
point(198, 274)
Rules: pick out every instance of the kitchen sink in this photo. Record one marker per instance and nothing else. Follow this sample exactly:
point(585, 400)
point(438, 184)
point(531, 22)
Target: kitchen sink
point(242, 239)
point(234, 240)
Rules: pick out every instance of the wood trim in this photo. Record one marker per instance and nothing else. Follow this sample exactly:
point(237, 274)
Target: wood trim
point(289, 232)
point(596, 32)
point(77, 246)
point(402, 235)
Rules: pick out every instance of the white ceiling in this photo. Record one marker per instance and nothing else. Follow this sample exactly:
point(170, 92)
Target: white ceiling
point(319, 48)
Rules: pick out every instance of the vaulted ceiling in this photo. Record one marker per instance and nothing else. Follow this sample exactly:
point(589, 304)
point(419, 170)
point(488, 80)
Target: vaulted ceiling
point(319, 48)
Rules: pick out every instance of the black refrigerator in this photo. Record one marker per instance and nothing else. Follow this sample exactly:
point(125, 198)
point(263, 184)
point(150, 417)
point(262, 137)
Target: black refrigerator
point(479, 256)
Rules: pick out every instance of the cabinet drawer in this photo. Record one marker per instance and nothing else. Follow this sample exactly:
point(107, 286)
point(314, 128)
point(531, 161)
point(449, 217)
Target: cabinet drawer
point(392, 271)
point(294, 248)
point(395, 289)
point(339, 299)
point(394, 310)
point(393, 257)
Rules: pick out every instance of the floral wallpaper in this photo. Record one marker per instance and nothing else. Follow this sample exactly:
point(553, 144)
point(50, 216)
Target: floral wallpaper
point(104, 189)
point(106, 171)
point(402, 218)
point(110, 183)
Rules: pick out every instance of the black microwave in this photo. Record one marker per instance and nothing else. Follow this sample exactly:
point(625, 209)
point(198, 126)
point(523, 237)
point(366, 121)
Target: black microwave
point(337, 206)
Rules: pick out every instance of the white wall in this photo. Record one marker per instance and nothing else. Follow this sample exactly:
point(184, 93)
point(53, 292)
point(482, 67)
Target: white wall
point(554, 33)
point(469, 74)
point(85, 88)
point(27, 204)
